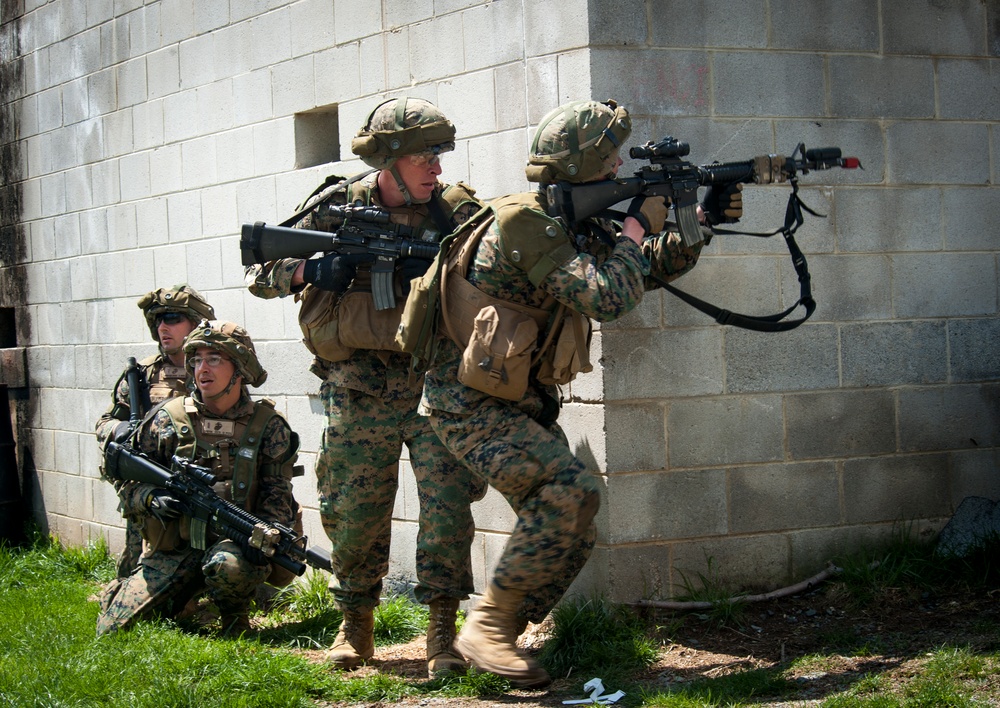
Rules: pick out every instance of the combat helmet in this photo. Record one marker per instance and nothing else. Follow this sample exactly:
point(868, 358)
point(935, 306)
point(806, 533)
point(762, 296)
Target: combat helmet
point(180, 298)
point(230, 339)
point(576, 142)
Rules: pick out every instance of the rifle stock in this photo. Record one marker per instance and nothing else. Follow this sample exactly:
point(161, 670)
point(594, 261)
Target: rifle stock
point(192, 485)
point(363, 231)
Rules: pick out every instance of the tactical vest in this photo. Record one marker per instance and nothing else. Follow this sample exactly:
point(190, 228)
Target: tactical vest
point(164, 379)
point(334, 327)
point(506, 344)
point(229, 447)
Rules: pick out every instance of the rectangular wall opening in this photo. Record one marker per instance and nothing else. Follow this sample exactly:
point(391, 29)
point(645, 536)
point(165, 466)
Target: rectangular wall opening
point(317, 137)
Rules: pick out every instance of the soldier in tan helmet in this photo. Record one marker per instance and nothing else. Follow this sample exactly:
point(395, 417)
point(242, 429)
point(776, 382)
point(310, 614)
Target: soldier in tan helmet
point(171, 313)
point(369, 396)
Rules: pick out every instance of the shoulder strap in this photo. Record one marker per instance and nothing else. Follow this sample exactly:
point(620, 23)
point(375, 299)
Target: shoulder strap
point(245, 464)
point(321, 194)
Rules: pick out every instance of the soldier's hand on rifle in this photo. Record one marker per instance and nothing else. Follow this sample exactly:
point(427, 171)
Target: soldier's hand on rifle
point(723, 204)
point(334, 272)
point(163, 506)
point(650, 212)
point(122, 432)
point(410, 268)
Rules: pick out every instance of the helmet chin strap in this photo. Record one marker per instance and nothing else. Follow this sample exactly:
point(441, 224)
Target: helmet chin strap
point(227, 389)
point(400, 185)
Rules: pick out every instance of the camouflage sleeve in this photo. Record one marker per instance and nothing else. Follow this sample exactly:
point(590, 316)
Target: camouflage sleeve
point(602, 290)
point(274, 490)
point(157, 439)
point(118, 411)
point(669, 259)
point(272, 279)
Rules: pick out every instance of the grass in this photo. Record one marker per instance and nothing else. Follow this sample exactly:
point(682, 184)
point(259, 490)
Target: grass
point(50, 655)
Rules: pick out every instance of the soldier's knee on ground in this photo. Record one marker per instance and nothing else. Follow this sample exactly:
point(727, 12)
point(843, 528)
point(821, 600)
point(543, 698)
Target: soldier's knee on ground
point(227, 572)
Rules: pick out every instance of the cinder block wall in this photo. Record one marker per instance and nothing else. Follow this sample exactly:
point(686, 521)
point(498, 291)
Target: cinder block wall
point(752, 459)
point(147, 132)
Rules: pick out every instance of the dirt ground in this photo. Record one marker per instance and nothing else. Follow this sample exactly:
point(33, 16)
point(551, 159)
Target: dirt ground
point(887, 640)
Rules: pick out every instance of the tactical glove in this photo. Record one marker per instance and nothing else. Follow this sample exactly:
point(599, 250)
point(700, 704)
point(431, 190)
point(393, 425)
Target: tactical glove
point(163, 506)
point(410, 268)
point(650, 212)
point(121, 433)
point(723, 203)
point(334, 272)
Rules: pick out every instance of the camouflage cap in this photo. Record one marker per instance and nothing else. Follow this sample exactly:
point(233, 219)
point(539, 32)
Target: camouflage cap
point(402, 126)
point(180, 298)
point(233, 341)
point(575, 142)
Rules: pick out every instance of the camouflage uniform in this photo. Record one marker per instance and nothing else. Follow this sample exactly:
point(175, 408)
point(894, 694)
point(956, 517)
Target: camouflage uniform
point(171, 571)
point(370, 403)
point(163, 380)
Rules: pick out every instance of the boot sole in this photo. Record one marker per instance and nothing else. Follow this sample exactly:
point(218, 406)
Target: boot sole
point(517, 679)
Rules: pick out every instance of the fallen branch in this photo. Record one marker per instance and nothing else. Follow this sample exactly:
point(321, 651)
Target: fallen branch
point(804, 586)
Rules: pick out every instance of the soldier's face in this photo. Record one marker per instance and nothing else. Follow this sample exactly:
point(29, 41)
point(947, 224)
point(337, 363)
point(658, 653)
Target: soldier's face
point(212, 371)
point(419, 173)
point(172, 328)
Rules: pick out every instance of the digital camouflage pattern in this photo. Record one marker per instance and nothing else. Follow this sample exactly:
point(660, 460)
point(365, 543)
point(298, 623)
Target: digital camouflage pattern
point(165, 580)
point(516, 446)
point(370, 402)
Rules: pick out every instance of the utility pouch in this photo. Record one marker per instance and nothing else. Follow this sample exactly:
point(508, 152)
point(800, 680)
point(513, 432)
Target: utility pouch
point(497, 359)
point(568, 352)
point(364, 327)
point(319, 324)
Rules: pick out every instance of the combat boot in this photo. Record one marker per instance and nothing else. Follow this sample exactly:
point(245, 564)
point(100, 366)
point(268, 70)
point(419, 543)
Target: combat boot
point(355, 642)
point(442, 656)
point(489, 640)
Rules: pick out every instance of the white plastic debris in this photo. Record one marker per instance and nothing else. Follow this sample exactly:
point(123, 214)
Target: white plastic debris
point(596, 688)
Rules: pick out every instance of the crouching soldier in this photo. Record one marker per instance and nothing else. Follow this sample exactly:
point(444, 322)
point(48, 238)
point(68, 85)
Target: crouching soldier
point(249, 448)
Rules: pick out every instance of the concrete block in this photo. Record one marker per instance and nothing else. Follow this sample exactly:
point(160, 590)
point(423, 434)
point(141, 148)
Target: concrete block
point(511, 110)
point(78, 194)
point(827, 25)
point(211, 15)
point(906, 219)
point(845, 287)
point(131, 81)
point(745, 285)
point(48, 109)
point(178, 108)
point(143, 27)
point(589, 387)
point(83, 277)
point(292, 377)
point(151, 222)
point(469, 101)
point(745, 564)
point(863, 139)
point(426, 61)
point(218, 210)
point(372, 53)
point(970, 214)
point(943, 285)
point(897, 488)
point(636, 437)
point(949, 418)
point(666, 506)
point(355, 22)
point(53, 194)
point(75, 101)
point(176, 20)
point(881, 87)
point(542, 35)
point(255, 201)
point(306, 416)
point(542, 81)
point(138, 266)
point(804, 358)
point(743, 84)
point(117, 135)
point(135, 176)
point(619, 24)
point(711, 432)
point(674, 83)
point(115, 287)
point(102, 96)
point(196, 58)
point(783, 497)
point(922, 152)
point(232, 267)
point(234, 151)
point(894, 353)
point(407, 504)
point(233, 48)
point(198, 163)
point(163, 76)
point(583, 425)
point(338, 74)
point(170, 264)
point(493, 34)
point(147, 125)
point(652, 364)
point(814, 549)
point(184, 216)
point(929, 27)
point(215, 106)
point(267, 318)
point(629, 573)
point(676, 23)
point(292, 85)
point(840, 423)
point(969, 89)
point(204, 264)
point(94, 231)
point(274, 146)
point(487, 156)
point(973, 351)
point(493, 513)
point(974, 473)
point(314, 26)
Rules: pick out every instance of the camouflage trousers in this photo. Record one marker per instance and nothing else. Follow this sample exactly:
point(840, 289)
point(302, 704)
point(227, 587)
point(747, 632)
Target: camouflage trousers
point(554, 496)
point(163, 582)
point(357, 477)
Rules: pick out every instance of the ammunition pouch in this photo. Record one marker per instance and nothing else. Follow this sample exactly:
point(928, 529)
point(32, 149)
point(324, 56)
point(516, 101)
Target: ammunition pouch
point(318, 320)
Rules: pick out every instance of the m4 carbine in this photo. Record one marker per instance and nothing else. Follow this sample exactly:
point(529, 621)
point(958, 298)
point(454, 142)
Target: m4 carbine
point(363, 230)
point(670, 176)
point(192, 486)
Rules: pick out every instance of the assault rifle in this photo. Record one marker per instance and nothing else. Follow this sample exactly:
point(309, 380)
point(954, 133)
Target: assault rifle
point(363, 230)
point(668, 175)
point(192, 486)
point(138, 393)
